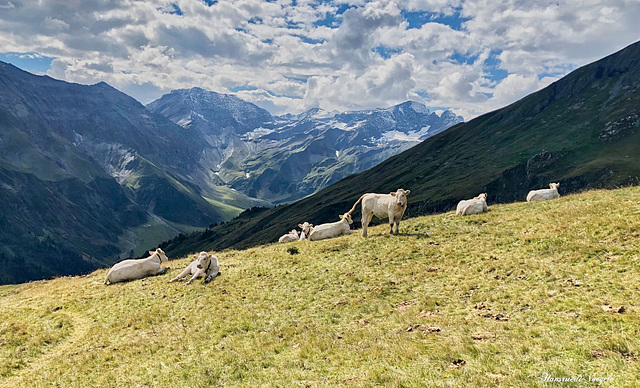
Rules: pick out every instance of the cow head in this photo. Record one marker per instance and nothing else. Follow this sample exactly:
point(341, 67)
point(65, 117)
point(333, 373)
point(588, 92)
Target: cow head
point(554, 185)
point(306, 228)
point(482, 196)
point(204, 260)
point(401, 197)
point(160, 254)
point(346, 216)
point(294, 232)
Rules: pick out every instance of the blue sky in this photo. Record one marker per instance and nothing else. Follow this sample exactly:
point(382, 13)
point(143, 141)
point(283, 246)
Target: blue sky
point(289, 56)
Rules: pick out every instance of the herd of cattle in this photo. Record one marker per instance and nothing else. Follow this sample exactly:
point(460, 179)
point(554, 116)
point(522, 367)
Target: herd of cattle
point(391, 206)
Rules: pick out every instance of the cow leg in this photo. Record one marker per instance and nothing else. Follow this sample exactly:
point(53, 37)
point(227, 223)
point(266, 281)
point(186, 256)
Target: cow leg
point(366, 218)
point(210, 277)
point(182, 274)
point(397, 226)
point(391, 224)
point(194, 277)
point(162, 270)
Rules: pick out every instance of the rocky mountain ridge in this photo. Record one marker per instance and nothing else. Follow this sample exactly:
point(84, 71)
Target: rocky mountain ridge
point(285, 158)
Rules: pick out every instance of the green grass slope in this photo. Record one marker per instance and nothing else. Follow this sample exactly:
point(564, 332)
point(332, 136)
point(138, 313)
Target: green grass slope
point(582, 131)
point(505, 298)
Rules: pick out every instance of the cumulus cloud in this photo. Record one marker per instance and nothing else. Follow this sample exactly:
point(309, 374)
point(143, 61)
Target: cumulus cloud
point(341, 54)
point(460, 86)
point(391, 80)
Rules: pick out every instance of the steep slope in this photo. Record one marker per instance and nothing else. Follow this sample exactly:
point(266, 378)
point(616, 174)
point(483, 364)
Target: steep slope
point(81, 167)
point(582, 130)
point(282, 159)
point(501, 299)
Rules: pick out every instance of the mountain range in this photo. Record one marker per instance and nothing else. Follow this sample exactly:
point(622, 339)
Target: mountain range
point(285, 158)
point(582, 131)
point(88, 175)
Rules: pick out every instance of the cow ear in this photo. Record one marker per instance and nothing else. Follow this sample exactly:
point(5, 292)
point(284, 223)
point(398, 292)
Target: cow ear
point(407, 192)
point(341, 216)
point(151, 252)
point(392, 194)
point(300, 225)
point(158, 250)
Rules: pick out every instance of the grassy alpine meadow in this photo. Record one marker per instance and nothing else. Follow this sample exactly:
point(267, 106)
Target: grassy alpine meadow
point(519, 296)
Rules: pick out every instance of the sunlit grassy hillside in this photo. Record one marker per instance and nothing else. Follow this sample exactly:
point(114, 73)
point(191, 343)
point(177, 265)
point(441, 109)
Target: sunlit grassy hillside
point(500, 299)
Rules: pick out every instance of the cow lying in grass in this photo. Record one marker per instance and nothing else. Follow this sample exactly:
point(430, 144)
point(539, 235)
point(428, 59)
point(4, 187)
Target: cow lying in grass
point(334, 229)
point(291, 236)
point(306, 229)
point(204, 266)
point(544, 194)
point(131, 269)
point(475, 205)
point(390, 206)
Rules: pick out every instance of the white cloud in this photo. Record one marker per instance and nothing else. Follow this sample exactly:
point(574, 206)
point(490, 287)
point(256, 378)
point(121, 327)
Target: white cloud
point(340, 54)
point(460, 86)
point(515, 87)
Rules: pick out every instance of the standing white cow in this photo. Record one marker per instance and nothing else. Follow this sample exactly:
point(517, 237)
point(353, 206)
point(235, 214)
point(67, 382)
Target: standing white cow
point(544, 194)
point(205, 266)
point(131, 269)
point(390, 206)
point(475, 205)
point(291, 236)
point(334, 229)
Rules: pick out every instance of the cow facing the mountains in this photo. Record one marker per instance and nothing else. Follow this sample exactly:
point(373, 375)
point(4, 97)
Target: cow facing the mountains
point(131, 269)
point(475, 205)
point(291, 236)
point(390, 206)
point(331, 230)
point(544, 194)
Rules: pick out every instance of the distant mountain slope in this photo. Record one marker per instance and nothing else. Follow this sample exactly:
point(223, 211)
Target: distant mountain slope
point(283, 159)
point(81, 167)
point(583, 131)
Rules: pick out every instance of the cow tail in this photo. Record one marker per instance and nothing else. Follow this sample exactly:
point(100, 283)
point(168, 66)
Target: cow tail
point(356, 204)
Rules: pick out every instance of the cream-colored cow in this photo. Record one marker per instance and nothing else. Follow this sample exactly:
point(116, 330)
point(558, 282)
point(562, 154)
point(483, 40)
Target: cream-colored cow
point(331, 230)
point(132, 269)
point(475, 205)
point(291, 236)
point(390, 206)
point(204, 266)
point(544, 194)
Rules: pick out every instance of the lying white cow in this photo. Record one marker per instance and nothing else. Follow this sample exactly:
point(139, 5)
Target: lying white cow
point(544, 194)
point(475, 205)
point(204, 266)
point(390, 206)
point(306, 230)
point(334, 229)
point(291, 236)
point(131, 269)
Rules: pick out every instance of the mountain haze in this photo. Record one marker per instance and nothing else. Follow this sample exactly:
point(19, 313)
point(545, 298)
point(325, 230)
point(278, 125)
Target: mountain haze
point(582, 131)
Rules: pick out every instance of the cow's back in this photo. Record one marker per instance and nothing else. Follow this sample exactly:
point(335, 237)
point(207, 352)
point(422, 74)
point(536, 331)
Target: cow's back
point(378, 204)
point(131, 269)
point(542, 195)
